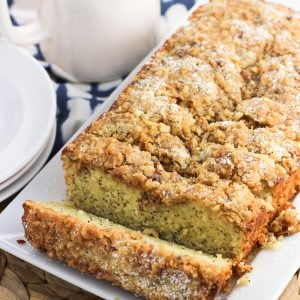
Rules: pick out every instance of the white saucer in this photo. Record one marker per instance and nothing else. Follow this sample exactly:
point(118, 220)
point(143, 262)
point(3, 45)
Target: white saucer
point(27, 109)
point(16, 176)
point(31, 172)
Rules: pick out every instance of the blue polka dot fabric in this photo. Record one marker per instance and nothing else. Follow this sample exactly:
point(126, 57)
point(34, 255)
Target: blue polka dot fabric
point(76, 102)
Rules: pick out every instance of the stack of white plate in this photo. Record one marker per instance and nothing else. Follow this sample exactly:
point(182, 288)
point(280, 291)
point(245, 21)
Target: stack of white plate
point(27, 118)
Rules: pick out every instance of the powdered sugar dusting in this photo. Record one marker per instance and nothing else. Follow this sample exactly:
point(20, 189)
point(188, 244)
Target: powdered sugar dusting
point(250, 33)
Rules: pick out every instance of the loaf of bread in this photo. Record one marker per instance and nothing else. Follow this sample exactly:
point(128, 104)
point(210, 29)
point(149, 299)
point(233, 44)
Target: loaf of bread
point(201, 151)
point(203, 146)
point(153, 268)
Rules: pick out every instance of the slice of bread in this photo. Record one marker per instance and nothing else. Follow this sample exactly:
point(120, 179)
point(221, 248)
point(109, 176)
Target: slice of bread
point(148, 266)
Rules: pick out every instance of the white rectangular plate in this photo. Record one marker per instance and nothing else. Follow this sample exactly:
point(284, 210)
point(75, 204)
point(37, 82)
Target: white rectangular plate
point(272, 269)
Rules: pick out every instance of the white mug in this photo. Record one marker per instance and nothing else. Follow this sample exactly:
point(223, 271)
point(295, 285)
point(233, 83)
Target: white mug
point(89, 40)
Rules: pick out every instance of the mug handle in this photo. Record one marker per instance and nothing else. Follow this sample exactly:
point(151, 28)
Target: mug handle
point(28, 34)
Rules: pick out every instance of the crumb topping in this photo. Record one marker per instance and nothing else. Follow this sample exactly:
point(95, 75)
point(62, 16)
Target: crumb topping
point(287, 222)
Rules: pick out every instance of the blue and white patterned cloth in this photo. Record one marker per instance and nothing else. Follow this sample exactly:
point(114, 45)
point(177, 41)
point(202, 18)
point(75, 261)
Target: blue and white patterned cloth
point(76, 102)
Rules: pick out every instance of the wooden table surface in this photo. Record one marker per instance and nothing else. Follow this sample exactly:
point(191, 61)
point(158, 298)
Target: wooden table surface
point(21, 281)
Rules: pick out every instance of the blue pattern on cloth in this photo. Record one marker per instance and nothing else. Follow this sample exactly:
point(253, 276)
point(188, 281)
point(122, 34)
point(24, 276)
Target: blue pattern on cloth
point(76, 102)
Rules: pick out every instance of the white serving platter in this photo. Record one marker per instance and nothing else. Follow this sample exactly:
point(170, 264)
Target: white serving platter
point(272, 269)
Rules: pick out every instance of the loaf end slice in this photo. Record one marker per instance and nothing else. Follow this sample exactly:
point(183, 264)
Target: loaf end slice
point(150, 267)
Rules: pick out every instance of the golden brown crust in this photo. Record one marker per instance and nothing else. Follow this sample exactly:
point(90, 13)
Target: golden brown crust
point(122, 256)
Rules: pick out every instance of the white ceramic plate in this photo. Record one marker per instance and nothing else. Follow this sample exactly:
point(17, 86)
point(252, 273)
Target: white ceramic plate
point(272, 269)
point(27, 109)
point(27, 167)
point(26, 175)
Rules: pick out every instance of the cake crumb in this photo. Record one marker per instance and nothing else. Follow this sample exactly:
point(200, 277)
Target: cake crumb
point(280, 238)
point(242, 268)
point(21, 242)
point(286, 223)
point(271, 242)
point(244, 280)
